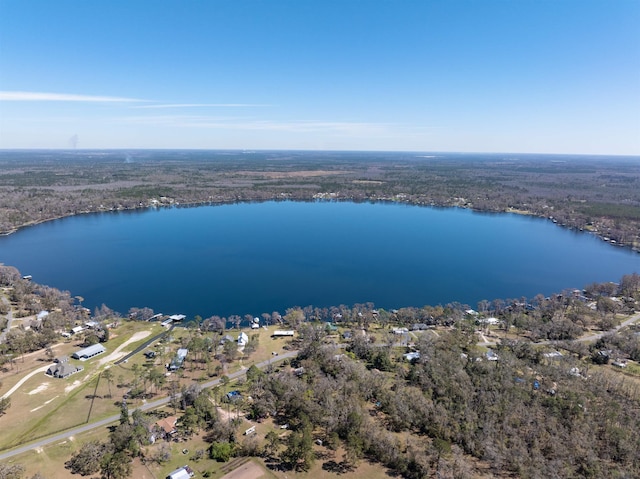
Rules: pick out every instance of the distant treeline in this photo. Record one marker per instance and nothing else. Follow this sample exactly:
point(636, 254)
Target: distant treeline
point(600, 194)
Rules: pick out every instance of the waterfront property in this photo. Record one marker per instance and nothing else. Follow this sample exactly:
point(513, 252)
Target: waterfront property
point(178, 360)
point(89, 352)
point(412, 356)
point(283, 333)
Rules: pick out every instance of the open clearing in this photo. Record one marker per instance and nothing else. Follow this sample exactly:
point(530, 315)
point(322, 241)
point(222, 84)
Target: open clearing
point(249, 470)
point(25, 379)
point(117, 353)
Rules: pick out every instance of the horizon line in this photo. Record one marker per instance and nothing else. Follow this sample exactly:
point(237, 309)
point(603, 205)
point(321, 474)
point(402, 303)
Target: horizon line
point(251, 150)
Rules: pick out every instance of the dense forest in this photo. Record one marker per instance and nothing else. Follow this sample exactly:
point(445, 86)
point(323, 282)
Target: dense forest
point(449, 413)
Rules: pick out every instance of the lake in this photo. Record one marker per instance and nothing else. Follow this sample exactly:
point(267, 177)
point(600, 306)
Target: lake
point(253, 258)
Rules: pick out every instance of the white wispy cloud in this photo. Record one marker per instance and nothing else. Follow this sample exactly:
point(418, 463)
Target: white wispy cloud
point(235, 123)
point(203, 105)
point(45, 96)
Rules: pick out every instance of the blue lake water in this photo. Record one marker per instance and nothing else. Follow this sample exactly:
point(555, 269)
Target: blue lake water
point(261, 257)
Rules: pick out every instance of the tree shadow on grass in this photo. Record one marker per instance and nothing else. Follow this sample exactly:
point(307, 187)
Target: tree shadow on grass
point(337, 467)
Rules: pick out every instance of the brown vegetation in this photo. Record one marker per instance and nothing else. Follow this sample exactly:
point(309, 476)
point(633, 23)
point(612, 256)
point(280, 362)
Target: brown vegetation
point(601, 195)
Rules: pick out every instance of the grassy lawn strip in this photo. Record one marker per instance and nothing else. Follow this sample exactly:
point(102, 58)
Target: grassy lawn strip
point(40, 425)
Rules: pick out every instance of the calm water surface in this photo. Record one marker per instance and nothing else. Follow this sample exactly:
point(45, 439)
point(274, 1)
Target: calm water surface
point(262, 257)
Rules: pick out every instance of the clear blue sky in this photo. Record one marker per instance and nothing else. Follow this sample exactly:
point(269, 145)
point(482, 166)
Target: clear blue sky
point(546, 76)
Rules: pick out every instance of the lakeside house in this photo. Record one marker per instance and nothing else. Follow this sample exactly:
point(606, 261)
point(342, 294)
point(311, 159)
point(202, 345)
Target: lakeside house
point(243, 339)
point(413, 356)
point(77, 329)
point(283, 333)
point(330, 327)
point(91, 351)
point(489, 321)
point(176, 363)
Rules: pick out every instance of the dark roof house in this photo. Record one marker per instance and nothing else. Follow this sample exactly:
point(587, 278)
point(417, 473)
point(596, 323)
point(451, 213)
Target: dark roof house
point(63, 370)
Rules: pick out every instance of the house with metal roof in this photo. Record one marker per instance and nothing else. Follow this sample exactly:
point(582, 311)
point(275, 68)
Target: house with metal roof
point(63, 370)
point(185, 472)
point(89, 352)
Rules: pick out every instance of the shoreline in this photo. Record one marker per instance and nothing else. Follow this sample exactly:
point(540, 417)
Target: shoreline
point(509, 210)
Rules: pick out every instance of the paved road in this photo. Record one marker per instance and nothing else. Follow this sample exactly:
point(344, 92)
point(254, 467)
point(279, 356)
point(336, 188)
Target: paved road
point(145, 407)
point(144, 345)
point(595, 337)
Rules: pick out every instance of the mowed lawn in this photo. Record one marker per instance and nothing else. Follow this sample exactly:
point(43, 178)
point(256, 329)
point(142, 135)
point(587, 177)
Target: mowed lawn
point(81, 388)
point(44, 405)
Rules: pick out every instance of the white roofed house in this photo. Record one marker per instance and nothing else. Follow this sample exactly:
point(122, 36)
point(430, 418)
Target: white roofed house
point(185, 472)
point(243, 339)
point(89, 352)
point(283, 333)
point(490, 321)
point(77, 329)
point(178, 360)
